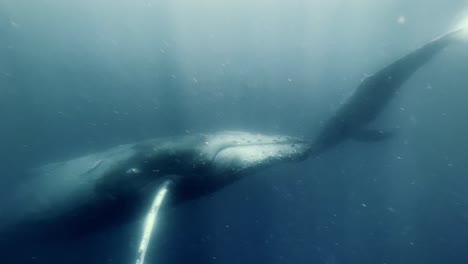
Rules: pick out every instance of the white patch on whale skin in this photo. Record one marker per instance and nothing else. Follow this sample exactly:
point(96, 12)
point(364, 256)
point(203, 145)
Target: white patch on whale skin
point(249, 155)
point(133, 171)
point(220, 142)
point(245, 157)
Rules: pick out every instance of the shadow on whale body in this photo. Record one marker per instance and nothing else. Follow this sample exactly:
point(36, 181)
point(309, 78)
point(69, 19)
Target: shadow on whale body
point(87, 194)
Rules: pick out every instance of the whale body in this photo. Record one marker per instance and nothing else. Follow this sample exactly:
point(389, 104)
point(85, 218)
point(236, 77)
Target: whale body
point(86, 194)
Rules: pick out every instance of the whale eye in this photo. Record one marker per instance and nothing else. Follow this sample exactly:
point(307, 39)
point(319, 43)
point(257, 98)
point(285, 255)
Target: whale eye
point(133, 171)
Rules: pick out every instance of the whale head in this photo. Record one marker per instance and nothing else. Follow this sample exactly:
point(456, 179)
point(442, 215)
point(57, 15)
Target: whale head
point(228, 152)
point(202, 164)
point(236, 152)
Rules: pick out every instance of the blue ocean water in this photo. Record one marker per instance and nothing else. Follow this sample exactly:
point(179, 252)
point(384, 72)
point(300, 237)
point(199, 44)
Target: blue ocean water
point(80, 76)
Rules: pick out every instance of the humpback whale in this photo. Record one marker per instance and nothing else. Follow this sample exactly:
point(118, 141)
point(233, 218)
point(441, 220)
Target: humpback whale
point(86, 194)
point(98, 190)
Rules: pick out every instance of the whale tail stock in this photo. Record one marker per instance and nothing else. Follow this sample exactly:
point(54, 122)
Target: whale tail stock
point(374, 93)
point(389, 79)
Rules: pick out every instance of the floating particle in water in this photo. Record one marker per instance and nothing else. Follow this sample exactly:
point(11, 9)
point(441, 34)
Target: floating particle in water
point(401, 20)
point(14, 24)
point(6, 74)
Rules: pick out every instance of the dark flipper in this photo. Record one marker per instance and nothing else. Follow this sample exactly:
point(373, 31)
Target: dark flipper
point(371, 135)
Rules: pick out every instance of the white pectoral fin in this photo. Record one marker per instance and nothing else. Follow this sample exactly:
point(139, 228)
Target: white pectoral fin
point(151, 219)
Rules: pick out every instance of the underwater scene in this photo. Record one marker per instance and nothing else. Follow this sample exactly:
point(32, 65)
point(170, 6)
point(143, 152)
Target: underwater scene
point(226, 132)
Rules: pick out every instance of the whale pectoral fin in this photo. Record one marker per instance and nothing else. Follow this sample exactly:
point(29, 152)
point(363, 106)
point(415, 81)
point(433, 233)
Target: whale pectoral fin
point(151, 217)
point(371, 135)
